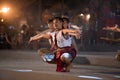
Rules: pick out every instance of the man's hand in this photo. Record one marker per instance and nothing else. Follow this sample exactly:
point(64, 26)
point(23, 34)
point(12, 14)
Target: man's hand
point(31, 39)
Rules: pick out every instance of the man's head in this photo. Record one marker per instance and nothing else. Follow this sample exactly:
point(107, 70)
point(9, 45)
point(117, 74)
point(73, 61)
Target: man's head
point(65, 22)
point(50, 24)
point(57, 23)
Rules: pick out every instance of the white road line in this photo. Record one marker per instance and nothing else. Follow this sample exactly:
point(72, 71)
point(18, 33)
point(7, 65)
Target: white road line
point(91, 77)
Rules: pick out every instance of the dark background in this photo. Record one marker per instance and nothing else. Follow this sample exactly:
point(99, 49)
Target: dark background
point(35, 13)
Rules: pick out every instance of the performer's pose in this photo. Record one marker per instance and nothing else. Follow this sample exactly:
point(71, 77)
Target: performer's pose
point(67, 25)
point(114, 28)
point(45, 34)
point(61, 44)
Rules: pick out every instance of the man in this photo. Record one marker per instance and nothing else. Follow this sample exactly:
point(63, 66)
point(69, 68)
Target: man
point(66, 25)
point(44, 34)
point(113, 30)
point(61, 43)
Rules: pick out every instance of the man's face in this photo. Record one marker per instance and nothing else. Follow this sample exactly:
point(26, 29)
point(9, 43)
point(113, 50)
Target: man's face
point(65, 24)
point(57, 24)
point(50, 26)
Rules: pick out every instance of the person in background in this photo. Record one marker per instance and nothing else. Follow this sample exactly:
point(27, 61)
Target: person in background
point(5, 42)
point(113, 28)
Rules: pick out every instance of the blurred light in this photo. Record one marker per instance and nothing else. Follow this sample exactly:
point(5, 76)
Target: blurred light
point(2, 20)
point(22, 31)
point(81, 14)
point(5, 10)
point(87, 16)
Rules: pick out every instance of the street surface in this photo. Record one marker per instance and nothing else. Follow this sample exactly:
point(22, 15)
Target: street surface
point(27, 65)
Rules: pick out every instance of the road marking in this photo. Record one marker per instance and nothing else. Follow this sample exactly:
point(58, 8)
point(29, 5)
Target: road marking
point(91, 77)
point(117, 76)
point(24, 70)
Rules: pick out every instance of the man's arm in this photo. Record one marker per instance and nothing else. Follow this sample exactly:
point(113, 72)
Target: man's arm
point(38, 37)
point(114, 28)
point(118, 29)
point(72, 32)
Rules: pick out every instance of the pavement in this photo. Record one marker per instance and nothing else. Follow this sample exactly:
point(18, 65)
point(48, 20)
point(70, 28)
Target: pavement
point(107, 59)
point(27, 65)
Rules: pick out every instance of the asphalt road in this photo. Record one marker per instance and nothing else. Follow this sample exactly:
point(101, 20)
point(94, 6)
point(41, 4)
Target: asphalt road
point(27, 65)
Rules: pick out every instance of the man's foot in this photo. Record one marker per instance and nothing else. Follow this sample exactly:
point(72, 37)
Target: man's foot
point(68, 67)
